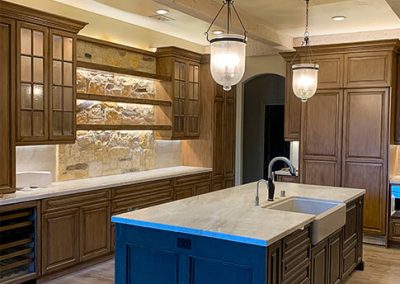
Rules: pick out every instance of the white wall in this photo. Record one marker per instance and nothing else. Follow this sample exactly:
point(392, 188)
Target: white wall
point(273, 64)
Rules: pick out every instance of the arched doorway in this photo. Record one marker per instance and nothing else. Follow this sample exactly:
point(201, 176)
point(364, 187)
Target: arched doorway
point(263, 125)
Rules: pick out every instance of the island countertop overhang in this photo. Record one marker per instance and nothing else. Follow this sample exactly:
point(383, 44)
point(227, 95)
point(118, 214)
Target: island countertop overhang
point(230, 214)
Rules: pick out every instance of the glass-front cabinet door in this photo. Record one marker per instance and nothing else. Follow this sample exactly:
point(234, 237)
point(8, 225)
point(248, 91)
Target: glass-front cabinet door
point(62, 86)
point(179, 98)
point(32, 91)
point(193, 104)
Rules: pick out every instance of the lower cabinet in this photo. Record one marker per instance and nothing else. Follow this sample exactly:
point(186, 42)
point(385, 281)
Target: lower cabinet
point(283, 178)
point(75, 229)
point(188, 186)
point(326, 261)
point(94, 231)
point(293, 259)
point(60, 243)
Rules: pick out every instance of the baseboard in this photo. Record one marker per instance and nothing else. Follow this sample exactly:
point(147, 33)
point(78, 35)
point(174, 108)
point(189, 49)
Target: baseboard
point(375, 240)
point(75, 268)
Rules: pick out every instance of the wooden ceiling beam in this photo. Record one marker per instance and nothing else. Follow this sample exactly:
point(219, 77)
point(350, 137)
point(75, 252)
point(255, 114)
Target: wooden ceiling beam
point(206, 10)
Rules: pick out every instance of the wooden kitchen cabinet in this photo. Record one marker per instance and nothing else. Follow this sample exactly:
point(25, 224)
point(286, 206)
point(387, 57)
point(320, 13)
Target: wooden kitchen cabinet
point(224, 140)
point(188, 186)
point(321, 138)
point(60, 243)
point(368, 69)
point(7, 89)
point(94, 231)
point(76, 228)
point(293, 104)
point(184, 68)
point(365, 150)
point(345, 128)
point(45, 75)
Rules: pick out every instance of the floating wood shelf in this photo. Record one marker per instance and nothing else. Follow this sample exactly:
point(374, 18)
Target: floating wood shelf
point(121, 127)
point(93, 97)
point(123, 71)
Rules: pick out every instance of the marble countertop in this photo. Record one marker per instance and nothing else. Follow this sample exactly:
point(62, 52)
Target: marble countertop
point(230, 214)
point(394, 180)
point(90, 184)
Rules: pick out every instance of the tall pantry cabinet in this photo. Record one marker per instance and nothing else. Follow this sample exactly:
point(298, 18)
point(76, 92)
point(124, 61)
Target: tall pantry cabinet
point(345, 128)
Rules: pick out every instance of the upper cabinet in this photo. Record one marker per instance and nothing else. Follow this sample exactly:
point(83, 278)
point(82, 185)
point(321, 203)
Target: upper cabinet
point(45, 75)
point(184, 68)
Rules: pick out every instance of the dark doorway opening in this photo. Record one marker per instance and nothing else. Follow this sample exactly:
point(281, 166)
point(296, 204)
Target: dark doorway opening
point(263, 125)
point(274, 139)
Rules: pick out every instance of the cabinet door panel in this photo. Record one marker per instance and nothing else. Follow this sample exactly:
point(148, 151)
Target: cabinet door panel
point(330, 75)
point(62, 90)
point(372, 178)
point(320, 172)
point(218, 147)
point(32, 91)
point(320, 263)
point(229, 137)
point(6, 145)
point(369, 69)
point(60, 240)
point(321, 125)
point(94, 231)
point(366, 117)
point(335, 259)
point(292, 110)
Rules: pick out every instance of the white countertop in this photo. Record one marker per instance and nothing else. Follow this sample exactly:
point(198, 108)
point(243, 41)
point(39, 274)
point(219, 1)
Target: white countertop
point(230, 214)
point(394, 180)
point(90, 184)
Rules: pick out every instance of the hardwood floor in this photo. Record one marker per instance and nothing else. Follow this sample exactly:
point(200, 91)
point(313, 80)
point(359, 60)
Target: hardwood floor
point(382, 266)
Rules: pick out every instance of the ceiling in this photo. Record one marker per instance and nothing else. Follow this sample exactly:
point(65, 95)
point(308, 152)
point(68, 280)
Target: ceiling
point(287, 16)
point(282, 19)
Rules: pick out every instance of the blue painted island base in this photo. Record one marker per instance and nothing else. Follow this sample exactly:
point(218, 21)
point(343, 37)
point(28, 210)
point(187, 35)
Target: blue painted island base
point(153, 256)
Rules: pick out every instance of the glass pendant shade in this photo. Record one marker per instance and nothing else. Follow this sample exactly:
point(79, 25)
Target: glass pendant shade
point(305, 80)
point(227, 61)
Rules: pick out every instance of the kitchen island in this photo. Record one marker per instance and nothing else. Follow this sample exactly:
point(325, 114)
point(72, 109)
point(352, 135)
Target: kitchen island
point(222, 237)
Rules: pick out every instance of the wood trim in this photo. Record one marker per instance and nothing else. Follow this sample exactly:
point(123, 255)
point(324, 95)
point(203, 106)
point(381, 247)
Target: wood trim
point(88, 127)
point(103, 98)
point(173, 51)
point(345, 48)
point(26, 14)
point(115, 45)
point(124, 71)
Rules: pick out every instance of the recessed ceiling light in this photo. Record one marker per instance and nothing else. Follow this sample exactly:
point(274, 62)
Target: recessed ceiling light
point(162, 11)
point(217, 32)
point(339, 18)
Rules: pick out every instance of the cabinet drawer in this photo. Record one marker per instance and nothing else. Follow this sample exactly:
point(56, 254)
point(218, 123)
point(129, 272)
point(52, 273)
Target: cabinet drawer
point(297, 241)
point(192, 179)
point(299, 274)
point(203, 188)
point(141, 188)
point(183, 192)
point(75, 200)
point(150, 198)
point(291, 179)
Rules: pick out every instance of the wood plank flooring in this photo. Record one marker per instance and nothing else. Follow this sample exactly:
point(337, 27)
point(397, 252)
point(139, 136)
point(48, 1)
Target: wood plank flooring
point(382, 266)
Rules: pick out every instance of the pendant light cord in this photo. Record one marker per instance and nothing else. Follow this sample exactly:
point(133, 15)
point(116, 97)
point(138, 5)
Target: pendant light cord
point(230, 5)
point(306, 40)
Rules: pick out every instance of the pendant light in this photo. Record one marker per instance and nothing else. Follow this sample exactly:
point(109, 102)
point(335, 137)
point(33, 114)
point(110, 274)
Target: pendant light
point(305, 75)
point(228, 51)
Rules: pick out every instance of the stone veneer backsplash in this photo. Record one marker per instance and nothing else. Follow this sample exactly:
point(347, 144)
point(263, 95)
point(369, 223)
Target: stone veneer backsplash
point(95, 112)
point(102, 153)
point(111, 84)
